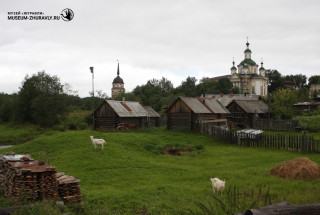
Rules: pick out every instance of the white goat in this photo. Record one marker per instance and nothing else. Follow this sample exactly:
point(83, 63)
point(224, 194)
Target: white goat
point(96, 142)
point(217, 184)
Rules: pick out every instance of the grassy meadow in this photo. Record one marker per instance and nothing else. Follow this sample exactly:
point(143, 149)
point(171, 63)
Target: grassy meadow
point(132, 173)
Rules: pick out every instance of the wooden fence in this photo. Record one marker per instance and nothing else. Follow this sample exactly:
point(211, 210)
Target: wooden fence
point(300, 143)
point(277, 125)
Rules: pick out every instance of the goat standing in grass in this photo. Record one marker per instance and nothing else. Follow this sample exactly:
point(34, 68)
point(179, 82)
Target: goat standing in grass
point(217, 184)
point(96, 142)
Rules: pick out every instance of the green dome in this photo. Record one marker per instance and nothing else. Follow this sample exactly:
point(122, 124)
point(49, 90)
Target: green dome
point(261, 68)
point(247, 50)
point(248, 61)
point(234, 68)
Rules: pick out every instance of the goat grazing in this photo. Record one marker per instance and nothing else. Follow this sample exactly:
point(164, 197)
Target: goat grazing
point(217, 184)
point(96, 142)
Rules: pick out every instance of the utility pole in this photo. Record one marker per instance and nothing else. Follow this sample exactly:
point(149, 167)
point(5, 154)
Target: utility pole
point(91, 69)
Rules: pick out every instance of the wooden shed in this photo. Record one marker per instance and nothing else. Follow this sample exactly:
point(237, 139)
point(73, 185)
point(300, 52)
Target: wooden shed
point(243, 112)
point(111, 113)
point(187, 112)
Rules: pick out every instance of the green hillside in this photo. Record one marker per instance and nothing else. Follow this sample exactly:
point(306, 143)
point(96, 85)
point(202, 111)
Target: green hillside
point(132, 172)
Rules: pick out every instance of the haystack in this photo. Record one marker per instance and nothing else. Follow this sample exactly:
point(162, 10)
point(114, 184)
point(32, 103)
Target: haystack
point(299, 168)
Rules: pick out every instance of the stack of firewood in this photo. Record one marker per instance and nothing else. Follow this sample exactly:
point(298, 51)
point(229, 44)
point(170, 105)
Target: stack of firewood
point(69, 188)
point(126, 126)
point(22, 178)
point(16, 182)
point(48, 185)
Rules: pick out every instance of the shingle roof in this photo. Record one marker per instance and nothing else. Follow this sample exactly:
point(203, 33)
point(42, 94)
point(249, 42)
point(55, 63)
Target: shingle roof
point(209, 105)
point(253, 106)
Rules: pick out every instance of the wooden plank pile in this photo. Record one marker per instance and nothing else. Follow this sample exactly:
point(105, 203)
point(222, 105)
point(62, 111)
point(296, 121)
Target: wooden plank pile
point(69, 188)
point(22, 178)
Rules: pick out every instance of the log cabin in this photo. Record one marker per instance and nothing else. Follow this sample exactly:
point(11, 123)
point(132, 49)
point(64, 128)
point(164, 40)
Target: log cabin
point(244, 112)
point(188, 112)
point(110, 113)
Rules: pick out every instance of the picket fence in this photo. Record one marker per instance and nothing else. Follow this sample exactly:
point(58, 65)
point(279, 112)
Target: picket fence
point(300, 143)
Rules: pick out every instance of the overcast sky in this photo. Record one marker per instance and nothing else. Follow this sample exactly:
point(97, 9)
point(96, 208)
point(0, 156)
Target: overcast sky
point(153, 39)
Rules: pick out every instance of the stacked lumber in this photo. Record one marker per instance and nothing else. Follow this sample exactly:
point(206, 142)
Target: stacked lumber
point(69, 188)
point(126, 126)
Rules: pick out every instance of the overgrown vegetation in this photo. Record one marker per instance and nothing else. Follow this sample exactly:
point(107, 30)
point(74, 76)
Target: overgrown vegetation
point(130, 175)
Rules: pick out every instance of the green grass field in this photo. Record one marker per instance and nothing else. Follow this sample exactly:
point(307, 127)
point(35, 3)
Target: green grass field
point(133, 173)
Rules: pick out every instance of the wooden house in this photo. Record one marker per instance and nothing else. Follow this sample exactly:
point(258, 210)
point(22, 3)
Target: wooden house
point(243, 112)
point(306, 106)
point(111, 113)
point(188, 112)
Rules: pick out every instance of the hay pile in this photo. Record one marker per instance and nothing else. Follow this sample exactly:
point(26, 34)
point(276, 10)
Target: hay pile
point(299, 168)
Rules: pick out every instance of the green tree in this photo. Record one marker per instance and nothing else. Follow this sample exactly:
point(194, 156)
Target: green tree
point(276, 80)
point(303, 94)
point(282, 105)
point(299, 80)
point(315, 79)
point(41, 100)
point(188, 87)
point(207, 86)
point(225, 85)
point(7, 107)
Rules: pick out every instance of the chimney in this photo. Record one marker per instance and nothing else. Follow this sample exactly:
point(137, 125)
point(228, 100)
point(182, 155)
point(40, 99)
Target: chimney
point(203, 100)
point(221, 95)
point(231, 95)
point(123, 99)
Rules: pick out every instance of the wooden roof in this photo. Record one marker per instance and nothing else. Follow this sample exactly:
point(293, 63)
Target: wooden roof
point(253, 106)
point(225, 100)
point(201, 105)
point(151, 112)
point(130, 109)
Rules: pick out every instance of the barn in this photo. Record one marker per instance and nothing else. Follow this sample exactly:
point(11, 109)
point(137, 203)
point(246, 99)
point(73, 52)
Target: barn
point(109, 114)
point(188, 112)
point(243, 112)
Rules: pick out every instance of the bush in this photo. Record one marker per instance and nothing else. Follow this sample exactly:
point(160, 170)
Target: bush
point(310, 123)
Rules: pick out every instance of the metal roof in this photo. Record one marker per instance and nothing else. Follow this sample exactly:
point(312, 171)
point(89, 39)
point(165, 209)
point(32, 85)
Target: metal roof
point(209, 105)
point(127, 108)
point(253, 106)
point(151, 112)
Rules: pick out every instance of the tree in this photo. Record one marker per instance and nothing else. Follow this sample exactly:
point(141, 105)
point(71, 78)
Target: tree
point(282, 105)
point(303, 94)
point(188, 87)
point(207, 86)
point(276, 80)
point(299, 80)
point(41, 100)
point(315, 79)
point(225, 85)
point(7, 107)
